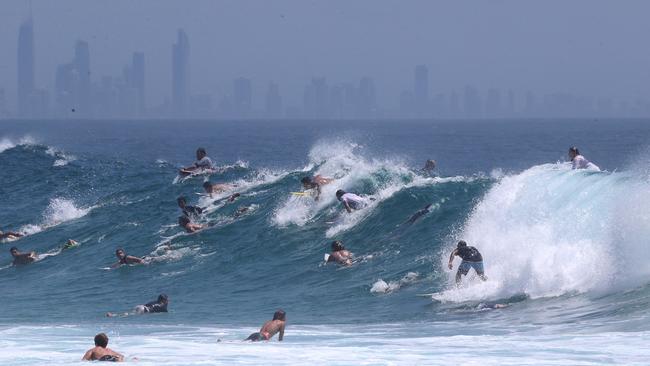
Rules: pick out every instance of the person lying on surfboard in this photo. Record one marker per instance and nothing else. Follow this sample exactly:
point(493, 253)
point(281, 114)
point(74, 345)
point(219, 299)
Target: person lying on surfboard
point(350, 201)
point(270, 328)
point(211, 188)
point(22, 258)
point(10, 235)
point(123, 258)
point(189, 211)
point(188, 225)
point(315, 182)
point(202, 163)
point(339, 254)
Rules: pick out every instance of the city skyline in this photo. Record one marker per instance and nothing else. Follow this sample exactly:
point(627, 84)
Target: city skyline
point(80, 91)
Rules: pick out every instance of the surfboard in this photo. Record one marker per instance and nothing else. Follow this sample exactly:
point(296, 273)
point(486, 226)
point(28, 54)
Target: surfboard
point(326, 257)
point(425, 295)
point(300, 193)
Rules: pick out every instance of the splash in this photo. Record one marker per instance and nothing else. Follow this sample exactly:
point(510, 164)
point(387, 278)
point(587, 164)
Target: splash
point(550, 231)
point(7, 144)
point(384, 287)
point(58, 211)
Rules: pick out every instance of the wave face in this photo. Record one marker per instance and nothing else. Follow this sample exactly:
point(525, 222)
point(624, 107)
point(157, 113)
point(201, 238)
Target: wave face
point(563, 249)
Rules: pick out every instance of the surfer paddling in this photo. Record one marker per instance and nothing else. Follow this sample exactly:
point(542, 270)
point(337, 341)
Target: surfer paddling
point(157, 306)
point(471, 257)
point(188, 225)
point(10, 235)
point(101, 352)
point(270, 328)
point(202, 164)
point(579, 162)
point(189, 211)
point(350, 201)
point(123, 258)
point(22, 258)
point(339, 254)
point(429, 167)
point(315, 182)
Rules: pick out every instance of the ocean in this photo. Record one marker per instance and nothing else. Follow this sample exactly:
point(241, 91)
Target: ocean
point(565, 251)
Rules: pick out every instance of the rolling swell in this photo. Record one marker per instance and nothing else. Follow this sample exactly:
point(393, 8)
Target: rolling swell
point(530, 227)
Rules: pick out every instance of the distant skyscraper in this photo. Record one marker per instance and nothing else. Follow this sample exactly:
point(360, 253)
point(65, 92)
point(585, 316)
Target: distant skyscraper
point(137, 80)
point(242, 96)
point(366, 100)
point(180, 73)
point(82, 94)
point(25, 66)
point(472, 102)
point(493, 103)
point(421, 89)
point(316, 98)
point(273, 101)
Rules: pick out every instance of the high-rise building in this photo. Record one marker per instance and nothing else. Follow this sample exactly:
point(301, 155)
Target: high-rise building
point(25, 67)
point(137, 81)
point(273, 101)
point(421, 89)
point(242, 96)
point(180, 73)
point(493, 103)
point(82, 92)
point(316, 98)
point(472, 102)
point(366, 101)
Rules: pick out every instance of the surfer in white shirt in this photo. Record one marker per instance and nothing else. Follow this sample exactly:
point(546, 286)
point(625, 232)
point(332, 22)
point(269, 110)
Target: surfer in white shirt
point(579, 162)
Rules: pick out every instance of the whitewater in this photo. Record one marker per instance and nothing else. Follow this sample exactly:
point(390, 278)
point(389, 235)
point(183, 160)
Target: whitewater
point(565, 251)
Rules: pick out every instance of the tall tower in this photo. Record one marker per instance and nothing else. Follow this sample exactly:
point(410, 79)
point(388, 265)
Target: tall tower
point(25, 66)
point(81, 63)
point(137, 80)
point(421, 89)
point(180, 73)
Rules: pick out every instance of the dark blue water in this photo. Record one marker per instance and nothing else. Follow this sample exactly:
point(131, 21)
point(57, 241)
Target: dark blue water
point(561, 247)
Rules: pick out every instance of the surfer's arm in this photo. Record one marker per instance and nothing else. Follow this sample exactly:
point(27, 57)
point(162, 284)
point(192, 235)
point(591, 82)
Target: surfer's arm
point(116, 265)
point(281, 336)
point(347, 207)
point(87, 355)
point(136, 259)
point(317, 192)
point(451, 258)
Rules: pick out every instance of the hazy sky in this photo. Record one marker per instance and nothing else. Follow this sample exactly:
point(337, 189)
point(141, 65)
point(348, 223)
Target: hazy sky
point(588, 47)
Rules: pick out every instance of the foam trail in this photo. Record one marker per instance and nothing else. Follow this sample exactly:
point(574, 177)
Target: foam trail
point(550, 230)
point(58, 211)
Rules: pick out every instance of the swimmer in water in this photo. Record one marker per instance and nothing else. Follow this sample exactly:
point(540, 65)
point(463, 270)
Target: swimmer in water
point(471, 257)
point(579, 162)
point(270, 328)
point(123, 259)
point(315, 182)
point(101, 352)
point(416, 216)
point(339, 254)
point(22, 258)
point(188, 225)
point(203, 162)
point(211, 188)
point(69, 244)
point(158, 306)
point(350, 201)
point(10, 235)
point(189, 211)
point(429, 166)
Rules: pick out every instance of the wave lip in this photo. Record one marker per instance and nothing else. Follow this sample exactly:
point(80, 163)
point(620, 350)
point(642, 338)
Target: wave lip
point(550, 231)
point(7, 144)
point(58, 211)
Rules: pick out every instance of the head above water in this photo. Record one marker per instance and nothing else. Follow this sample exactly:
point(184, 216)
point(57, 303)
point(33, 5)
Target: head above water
point(573, 152)
point(339, 194)
point(182, 201)
point(430, 164)
point(163, 299)
point(461, 244)
point(101, 340)
point(14, 251)
point(307, 181)
point(337, 245)
point(279, 315)
point(119, 252)
point(200, 153)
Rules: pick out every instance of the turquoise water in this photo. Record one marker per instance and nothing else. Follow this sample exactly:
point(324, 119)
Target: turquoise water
point(565, 250)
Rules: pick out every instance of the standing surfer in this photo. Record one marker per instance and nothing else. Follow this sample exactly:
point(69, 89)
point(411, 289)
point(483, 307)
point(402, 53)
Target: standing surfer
point(471, 257)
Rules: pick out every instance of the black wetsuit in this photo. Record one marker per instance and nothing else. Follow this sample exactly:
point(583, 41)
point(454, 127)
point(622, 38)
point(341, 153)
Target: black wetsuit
point(469, 254)
point(192, 211)
point(109, 358)
point(155, 307)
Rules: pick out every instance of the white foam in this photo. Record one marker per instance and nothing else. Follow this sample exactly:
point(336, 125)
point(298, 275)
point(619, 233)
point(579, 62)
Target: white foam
point(59, 210)
point(6, 143)
point(550, 230)
point(381, 286)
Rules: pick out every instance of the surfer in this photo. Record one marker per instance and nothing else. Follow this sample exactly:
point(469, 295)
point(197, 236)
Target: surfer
point(10, 235)
point(123, 259)
point(350, 201)
point(101, 352)
point(70, 244)
point(188, 225)
point(416, 216)
point(471, 257)
point(339, 254)
point(22, 258)
point(189, 211)
point(315, 182)
point(202, 163)
point(270, 328)
point(157, 306)
point(579, 162)
point(429, 166)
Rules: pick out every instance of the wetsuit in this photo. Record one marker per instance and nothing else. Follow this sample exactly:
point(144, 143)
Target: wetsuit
point(155, 307)
point(472, 258)
point(192, 211)
point(109, 358)
point(256, 337)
